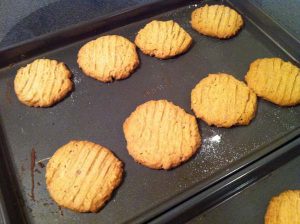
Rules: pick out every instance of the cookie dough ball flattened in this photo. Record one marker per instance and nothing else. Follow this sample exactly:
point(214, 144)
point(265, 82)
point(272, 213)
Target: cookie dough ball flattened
point(42, 83)
point(163, 39)
point(223, 101)
point(108, 58)
point(284, 208)
point(82, 175)
point(275, 80)
point(161, 135)
point(216, 21)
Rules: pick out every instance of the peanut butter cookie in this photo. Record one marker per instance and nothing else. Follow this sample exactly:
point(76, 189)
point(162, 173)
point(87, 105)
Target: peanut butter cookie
point(216, 21)
point(161, 135)
point(163, 39)
point(42, 83)
point(223, 101)
point(108, 58)
point(82, 175)
point(284, 208)
point(275, 80)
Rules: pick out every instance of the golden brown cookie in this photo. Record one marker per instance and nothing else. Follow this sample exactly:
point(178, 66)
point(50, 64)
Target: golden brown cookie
point(223, 101)
point(284, 208)
point(216, 21)
point(275, 80)
point(82, 175)
point(108, 58)
point(163, 39)
point(42, 83)
point(161, 135)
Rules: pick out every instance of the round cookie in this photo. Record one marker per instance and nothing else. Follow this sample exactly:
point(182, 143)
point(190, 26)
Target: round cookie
point(82, 175)
point(223, 101)
point(161, 135)
point(42, 83)
point(275, 80)
point(163, 39)
point(284, 208)
point(108, 58)
point(216, 21)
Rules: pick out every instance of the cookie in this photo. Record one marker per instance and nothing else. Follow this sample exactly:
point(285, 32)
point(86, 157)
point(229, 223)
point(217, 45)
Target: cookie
point(163, 39)
point(223, 101)
point(161, 135)
point(275, 80)
point(42, 83)
point(216, 21)
point(284, 208)
point(82, 175)
point(108, 58)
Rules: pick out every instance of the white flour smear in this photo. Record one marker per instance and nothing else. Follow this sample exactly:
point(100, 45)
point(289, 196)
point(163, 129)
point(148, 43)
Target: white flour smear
point(212, 142)
point(215, 139)
point(77, 79)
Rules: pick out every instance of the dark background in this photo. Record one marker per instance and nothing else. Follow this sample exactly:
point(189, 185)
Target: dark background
point(24, 19)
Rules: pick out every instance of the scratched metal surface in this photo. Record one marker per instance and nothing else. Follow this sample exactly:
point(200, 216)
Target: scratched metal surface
point(95, 111)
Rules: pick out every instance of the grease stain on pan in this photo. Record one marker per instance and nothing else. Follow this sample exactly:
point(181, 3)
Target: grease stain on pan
point(32, 167)
point(8, 92)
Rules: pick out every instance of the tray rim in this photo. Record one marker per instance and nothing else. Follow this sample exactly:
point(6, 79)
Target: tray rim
point(89, 28)
point(9, 179)
point(234, 184)
point(260, 19)
point(219, 178)
point(270, 148)
point(279, 35)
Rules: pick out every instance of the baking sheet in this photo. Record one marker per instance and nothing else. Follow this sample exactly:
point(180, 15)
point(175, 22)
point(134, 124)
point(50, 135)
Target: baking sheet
point(95, 111)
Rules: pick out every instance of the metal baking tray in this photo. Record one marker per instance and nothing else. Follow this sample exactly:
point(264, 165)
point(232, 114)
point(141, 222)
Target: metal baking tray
point(279, 172)
point(95, 111)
